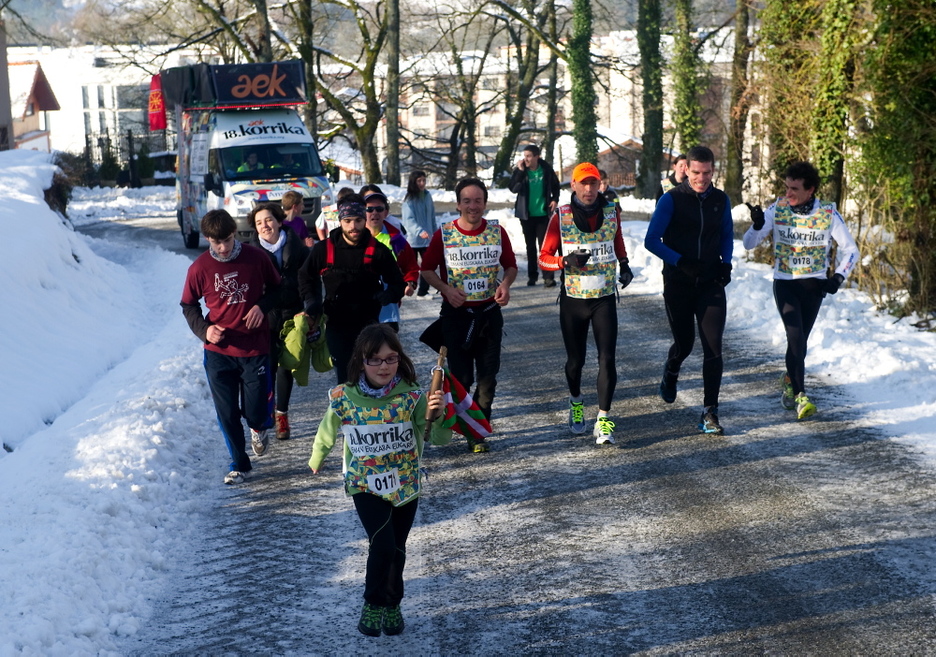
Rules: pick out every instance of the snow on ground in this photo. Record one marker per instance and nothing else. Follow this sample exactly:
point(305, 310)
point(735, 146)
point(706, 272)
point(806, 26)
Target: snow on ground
point(102, 393)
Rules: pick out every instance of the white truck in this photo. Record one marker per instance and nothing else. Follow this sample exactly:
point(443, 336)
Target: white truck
point(241, 141)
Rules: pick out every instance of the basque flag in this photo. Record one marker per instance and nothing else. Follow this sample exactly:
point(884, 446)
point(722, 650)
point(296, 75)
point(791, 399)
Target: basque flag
point(462, 414)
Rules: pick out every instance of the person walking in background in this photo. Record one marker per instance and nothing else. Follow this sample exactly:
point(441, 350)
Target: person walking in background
point(419, 220)
point(537, 188)
point(293, 205)
point(469, 254)
point(803, 229)
point(587, 234)
point(390, 219)
point(359, 276)
point(240, 287)
point(288, 253)
point(675, 178)
point(328, 219)
point(691, 230)
point(377, 208)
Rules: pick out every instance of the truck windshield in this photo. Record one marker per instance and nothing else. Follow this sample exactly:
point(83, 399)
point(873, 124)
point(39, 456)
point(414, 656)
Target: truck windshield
point(270, 161)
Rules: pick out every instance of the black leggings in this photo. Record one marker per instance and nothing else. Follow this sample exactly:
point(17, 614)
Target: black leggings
point(798, 302)
point(387, 528)
point(705, 305)
point(574, 318)
point(284, 386)
point(534, 232)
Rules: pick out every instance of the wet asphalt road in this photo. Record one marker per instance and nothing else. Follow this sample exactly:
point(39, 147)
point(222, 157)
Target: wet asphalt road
point(778, 538)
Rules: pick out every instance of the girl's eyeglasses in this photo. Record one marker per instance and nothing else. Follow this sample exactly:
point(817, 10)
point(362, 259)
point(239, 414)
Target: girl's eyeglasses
point(377, 362)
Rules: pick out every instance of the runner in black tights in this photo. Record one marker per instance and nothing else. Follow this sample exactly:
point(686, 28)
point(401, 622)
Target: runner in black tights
point(803, 229)
point(692, 232)
point(587, 235)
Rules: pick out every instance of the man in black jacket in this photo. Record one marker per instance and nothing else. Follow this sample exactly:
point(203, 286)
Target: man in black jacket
point(691, 230)
point(352, 266)
point(537, 188)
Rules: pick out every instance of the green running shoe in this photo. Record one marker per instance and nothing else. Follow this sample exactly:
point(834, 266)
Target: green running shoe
point(787, 397)
point(577, 417)
point(393, 621)
point(804, 407)
point(371, 619)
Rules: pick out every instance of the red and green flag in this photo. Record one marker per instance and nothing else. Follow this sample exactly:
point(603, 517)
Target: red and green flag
point(462, 414)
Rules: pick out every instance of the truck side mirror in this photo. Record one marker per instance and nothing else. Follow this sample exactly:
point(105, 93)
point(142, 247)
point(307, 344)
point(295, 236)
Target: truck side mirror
point(211, 184)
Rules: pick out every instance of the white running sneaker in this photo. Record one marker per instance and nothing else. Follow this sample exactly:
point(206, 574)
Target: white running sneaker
point(235, 477)
point(604, 431)
point(259, 441)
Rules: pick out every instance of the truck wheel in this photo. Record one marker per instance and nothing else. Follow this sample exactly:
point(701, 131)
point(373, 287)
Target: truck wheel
point(191, 239)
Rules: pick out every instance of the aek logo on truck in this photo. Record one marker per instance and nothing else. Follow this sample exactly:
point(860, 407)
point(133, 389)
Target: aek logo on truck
point(256, 129)
point(259, 86)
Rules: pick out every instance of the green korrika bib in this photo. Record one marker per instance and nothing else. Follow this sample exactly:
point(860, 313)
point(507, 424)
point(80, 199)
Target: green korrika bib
point(473, 261)
point(596, 278)
point(802, 241)
point(384, 453)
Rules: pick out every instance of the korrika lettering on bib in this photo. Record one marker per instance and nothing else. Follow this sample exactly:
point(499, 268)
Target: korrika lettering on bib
point(802, 241)
point(378, 439)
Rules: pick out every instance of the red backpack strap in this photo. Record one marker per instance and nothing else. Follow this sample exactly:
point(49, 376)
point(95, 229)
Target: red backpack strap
point(369, 252)
point(329, 255)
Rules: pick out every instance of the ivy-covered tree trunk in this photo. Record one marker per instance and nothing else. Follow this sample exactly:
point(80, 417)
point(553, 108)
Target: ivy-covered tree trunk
point(833, 93)
point(583, 83)
point(788, 79)
point(651, 74)
point(552, 93)
point(687, 106)
point(737, 120)
point(898, 148)
point(393, 92)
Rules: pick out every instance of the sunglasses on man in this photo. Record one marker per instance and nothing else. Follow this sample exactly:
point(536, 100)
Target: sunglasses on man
point(375, 208)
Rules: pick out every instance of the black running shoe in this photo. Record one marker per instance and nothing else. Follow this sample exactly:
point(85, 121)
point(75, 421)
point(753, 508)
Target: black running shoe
point(668, 386)
point(709, 421)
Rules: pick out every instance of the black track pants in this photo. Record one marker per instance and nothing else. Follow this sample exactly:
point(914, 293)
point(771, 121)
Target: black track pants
point(387, 528)
point(575, 315)
point(798, 302)
point(703, 305)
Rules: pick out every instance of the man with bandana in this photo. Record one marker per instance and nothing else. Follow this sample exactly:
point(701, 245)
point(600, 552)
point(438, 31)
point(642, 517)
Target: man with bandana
point(240, 287)
point(359, 276)
point(803, 229)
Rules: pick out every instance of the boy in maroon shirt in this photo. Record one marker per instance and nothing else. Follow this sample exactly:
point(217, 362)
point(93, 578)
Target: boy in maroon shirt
point(240, 286)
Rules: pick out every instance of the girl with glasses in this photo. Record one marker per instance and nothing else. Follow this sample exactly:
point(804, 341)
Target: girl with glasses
point(381, 414)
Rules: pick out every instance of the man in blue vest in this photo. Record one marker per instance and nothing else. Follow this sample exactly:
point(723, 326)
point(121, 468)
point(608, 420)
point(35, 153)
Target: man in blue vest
point(691, 230)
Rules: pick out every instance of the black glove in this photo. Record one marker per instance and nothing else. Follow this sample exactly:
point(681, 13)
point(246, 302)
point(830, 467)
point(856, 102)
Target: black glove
point(832, 285)
point(384, 298)
point(724, 274)
point(576, 259)
point(757, 216)
point(689, 266)
point(626, 274)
